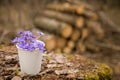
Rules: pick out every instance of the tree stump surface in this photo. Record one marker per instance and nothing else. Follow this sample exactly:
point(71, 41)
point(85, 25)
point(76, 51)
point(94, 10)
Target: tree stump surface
point(54, 67)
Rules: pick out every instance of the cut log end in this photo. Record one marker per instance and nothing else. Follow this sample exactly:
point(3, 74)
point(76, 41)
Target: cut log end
point(71, 44)
point(67, 50)
point(50, 43)
point(85, 33)
point(66, 31)
point(79, 22)
point(80, 10)
point(75, 35)
point(61, 42)
point(58, 50)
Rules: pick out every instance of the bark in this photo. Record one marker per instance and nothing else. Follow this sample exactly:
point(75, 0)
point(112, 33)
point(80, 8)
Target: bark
point(58, 15)
point(77, 9)
point(54, 26)
point(66, 7)
point(74, 20)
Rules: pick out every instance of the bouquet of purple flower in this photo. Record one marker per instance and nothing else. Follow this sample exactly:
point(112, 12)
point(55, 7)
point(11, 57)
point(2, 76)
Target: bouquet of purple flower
point(27, 41)
point(28, 51)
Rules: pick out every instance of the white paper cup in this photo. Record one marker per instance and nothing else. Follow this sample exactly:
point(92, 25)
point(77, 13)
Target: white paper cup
point(30, 62)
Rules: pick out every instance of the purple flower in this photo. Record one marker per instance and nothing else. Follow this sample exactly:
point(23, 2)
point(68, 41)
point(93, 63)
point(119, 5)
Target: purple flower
point(41, 33)
point(27, 41)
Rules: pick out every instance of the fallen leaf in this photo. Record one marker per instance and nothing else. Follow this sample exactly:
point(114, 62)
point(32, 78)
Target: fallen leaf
point(54, 65)
point(10, 57)
point(59, 72)
point(60, 59)
point(66, 71)
point(51, 65)
point(71, 76)
point(69, 64)
point(16, 78)
point(73, 71)
point(13, 68)
point(52, 61)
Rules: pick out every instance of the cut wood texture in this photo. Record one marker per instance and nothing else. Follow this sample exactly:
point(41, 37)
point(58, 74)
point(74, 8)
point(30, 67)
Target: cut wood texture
point(50, 42)
point(61, 42)
point(58, 50)
point(67, 50)
point(85, 33)
point(54, 26)
point(73, 24)
point(76, 35)
point(80, 22)
point(70, 23)
point(71, 44)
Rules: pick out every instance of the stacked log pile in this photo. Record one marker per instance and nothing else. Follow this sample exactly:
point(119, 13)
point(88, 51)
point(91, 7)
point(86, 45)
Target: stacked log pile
point(73, 27)
point(72, 24)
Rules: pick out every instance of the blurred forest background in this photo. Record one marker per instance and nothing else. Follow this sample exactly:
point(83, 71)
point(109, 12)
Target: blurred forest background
point(87, 27)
